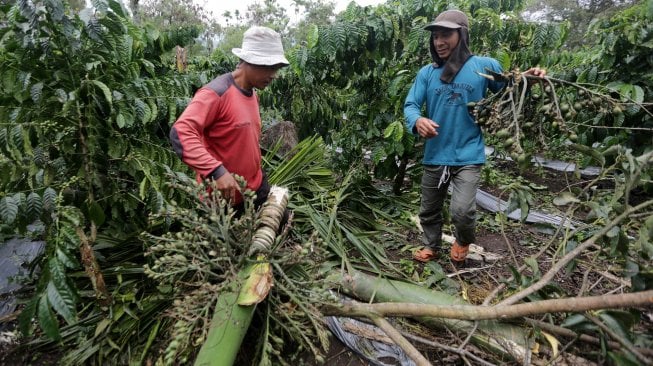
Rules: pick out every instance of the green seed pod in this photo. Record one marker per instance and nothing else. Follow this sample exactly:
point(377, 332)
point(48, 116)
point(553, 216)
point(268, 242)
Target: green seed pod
point(546, 108)
point(503, 133)
point(564, 107)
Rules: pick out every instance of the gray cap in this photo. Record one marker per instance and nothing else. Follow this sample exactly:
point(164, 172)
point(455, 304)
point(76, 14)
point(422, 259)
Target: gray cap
point(452, 19)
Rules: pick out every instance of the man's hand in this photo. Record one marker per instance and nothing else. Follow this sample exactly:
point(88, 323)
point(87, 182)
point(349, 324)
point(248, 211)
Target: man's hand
point(228, 186)
point(426, 127)
point(535, 71)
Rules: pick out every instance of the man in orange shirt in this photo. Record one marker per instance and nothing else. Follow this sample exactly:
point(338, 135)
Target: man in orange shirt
point(218, 133)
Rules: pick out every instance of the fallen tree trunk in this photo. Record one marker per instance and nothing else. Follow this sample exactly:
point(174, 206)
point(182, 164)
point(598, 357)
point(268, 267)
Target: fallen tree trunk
point(505, 340)
point(473, 312)
point(443, 310)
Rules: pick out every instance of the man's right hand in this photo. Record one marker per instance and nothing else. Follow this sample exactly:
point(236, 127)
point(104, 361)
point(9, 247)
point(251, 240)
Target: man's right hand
point(426, 127)
point(228, 186)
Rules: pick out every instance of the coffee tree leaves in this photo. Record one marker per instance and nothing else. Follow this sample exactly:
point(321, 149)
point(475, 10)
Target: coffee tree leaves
point(61, 303)
point(47, 319)
point(34, 206)
point(106, 92)
point(26, 316)
point(36, 91)
point(49, 199)
point(8, 209)
point(96, 213)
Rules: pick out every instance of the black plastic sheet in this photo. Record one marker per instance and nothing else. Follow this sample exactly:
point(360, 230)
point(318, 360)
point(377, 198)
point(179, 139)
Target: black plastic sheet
point(16, 255)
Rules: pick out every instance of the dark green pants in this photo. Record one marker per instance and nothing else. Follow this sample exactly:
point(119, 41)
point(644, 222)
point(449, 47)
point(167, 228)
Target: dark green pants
point(464, 182)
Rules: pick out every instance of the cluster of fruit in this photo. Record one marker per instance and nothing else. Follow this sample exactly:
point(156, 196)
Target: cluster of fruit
point(521, 111)
point(508, 115)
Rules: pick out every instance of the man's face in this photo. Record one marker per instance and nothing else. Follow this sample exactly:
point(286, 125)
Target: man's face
point(261, 76)
point(445, 41)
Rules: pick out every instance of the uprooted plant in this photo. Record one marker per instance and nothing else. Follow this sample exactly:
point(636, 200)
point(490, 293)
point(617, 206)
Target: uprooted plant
point(198, 261)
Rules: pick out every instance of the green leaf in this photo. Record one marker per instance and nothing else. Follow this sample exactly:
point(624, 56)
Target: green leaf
point(34, 206)
point(49, 199)
point(142, 110)
point(26, 317)
point(96, 213)
point(532, 263)
point(62, 303)
point(120, 120)
point(615, 324)
point(17, 136)
point(118, 8)
point(101, 326)
point(47, 320)
point(61, 95)
point(389, 131)
point(588, 151)
point(8, 210)
point(630, 269)
point(565, 198)
point(105, 90)
point(72, 215)
point(621, 359)
point(313, 36)
point(149, 67)
point(638, 94)
point(36, 91)
point(142, 188)
point(574, 321)
point(65, 259)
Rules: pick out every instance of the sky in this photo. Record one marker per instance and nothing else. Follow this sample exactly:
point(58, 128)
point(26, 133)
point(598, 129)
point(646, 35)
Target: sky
point(220, 6)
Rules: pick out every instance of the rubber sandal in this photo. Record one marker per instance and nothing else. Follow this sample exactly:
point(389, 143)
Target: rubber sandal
point(424, 255)
point(459, 252)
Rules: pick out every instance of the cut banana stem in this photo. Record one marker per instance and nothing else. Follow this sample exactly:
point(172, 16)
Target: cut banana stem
point(270, 219)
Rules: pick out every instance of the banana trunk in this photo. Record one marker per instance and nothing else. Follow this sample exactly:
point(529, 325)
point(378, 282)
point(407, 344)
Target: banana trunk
point(235, 306)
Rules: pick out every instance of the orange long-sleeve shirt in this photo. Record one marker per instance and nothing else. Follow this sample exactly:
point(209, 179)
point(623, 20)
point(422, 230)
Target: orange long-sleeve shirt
point(220, 131)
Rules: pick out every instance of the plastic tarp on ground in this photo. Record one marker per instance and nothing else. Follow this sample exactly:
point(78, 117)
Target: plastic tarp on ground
point(558, 165)
point(16, 255)
point(493, 204)
point(368, 341)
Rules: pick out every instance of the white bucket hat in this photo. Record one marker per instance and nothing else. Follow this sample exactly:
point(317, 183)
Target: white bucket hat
point(261, 46)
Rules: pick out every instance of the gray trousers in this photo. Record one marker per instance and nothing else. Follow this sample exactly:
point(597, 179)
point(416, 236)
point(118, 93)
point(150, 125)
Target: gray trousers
point(464, 182)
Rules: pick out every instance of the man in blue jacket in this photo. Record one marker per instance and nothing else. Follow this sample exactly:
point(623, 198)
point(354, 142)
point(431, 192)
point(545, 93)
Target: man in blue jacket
point(454, 150)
